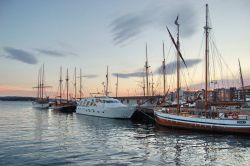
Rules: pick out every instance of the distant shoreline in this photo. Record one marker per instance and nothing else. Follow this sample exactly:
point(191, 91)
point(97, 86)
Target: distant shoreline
point(16, 98)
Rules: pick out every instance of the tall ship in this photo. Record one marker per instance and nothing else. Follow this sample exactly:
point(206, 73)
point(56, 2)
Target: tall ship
point(41, 100)
point(60, 103)
point(102, 105)
point(214, 120)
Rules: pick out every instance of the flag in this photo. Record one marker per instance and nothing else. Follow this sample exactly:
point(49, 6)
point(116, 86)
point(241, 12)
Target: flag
point(176, 21)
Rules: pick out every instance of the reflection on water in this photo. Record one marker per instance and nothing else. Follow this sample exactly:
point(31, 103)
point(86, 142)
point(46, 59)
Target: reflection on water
point(37, 137)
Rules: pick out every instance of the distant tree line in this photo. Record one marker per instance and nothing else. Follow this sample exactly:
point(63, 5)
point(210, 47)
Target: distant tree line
point(16, 98)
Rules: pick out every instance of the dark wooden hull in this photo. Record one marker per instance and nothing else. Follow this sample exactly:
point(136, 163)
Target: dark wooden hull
point(198, 126)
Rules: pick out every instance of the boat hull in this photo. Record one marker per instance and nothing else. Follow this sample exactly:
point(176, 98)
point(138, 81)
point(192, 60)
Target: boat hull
point(64, 108)
point(212, 125)
point(112, 112)
point(40, 105)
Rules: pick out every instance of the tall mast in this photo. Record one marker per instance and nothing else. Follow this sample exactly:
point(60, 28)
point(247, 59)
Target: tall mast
point(242, 81)
point(75, 83)
point(80, 91)
point(143, 87)
point(178, 66)
point(116, 85)
point(60, 84)
point(38, 84)
point(107, 82)
point(67, 85)
point(152, 84)
point(206, 58)
point(146, 67)
point(164, 70)
point(42, 84)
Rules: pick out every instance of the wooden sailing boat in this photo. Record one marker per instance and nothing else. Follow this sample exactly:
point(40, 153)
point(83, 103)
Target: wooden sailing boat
point(64, 105)
point(233, 122)
point(41, 101)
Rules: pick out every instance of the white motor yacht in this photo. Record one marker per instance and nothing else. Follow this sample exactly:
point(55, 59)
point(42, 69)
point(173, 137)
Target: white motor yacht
point(104, 106)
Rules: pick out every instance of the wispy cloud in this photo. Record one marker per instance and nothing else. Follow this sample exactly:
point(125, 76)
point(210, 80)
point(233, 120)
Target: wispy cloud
point(50, 52)
point(90, 76)
point(129, 26)
point(170, 69)
point(128, 75)
point(20, 55)
point(54, 53)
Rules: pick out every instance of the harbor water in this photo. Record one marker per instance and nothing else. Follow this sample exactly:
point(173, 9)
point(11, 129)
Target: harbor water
point(45, 137)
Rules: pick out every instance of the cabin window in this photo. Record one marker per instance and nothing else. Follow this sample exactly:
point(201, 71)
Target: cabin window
point(87, 103)
point(91, 104)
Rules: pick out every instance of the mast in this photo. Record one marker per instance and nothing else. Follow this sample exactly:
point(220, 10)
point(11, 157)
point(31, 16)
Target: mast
point(206, 58)
point(178, 65)
point(116, 85)
point(242, 82)
point(146, 67)
point(67, 85)
point(152, 84)
point(164, 70)
point(80, 91)
point(143, 87)
point(38, 84)
point(42, 83)
point(60, 84)
point(75, 83)
point(107, 82)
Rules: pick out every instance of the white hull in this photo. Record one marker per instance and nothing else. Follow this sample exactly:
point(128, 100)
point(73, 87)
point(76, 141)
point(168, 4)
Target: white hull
point(114, 112)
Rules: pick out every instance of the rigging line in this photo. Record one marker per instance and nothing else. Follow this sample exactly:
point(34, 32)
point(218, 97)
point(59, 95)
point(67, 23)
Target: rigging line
point(199, 55)
point(213, 68)
point(219, 54)
point(168, 54)
point(221, 70)
point(184, 78)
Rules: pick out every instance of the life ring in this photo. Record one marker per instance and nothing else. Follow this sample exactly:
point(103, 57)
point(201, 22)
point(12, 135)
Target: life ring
point(235, 115)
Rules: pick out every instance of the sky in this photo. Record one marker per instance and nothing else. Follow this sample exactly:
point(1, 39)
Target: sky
point(94, 34)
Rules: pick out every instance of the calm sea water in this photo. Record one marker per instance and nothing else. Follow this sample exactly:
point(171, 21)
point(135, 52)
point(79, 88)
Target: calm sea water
point(45, 137)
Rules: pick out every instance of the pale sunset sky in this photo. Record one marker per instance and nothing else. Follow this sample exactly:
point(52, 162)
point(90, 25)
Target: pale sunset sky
point(94, 34)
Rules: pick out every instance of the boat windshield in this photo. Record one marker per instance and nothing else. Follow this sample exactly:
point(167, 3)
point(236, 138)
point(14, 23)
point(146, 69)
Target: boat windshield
point(109, 101)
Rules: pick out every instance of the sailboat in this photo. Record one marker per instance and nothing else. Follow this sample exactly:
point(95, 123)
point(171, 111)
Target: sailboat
point(223, 122)
point(61, 104)
point(41, 101)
